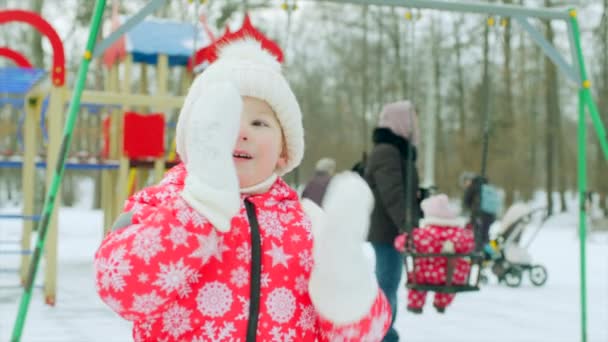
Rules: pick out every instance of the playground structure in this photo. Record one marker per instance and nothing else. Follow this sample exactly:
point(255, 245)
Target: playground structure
point(32, 106)
point(45, 104)
point(131, 114)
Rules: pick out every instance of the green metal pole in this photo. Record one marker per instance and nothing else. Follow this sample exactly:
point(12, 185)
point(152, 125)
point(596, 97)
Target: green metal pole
point(582, 223)
point(587, 98)
point(49, 202)
point(597, 121)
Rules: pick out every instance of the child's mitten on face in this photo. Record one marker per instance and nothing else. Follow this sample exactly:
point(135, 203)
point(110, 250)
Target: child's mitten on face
point(342, 285)
point(211, 186)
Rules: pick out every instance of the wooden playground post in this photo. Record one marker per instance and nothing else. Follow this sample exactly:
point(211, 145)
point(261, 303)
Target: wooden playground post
point(143, 85)
point(115, 129)
point(109, 177)
point(33, 107)
point(123, 170)
point(161, 89)
point(106, 200)
point(55, 118)
point(142, 174)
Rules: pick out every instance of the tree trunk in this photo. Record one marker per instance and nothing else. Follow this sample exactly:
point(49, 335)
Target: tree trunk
point(527, 106)
point(510, 176)
point(400, 55)
point(379, 60)
point(365, 80)
point(37, 51)
point(602, 169)
point(552, 112)
point(484, 107)
point(441, 155)
point(561, 161)
point(462, 121)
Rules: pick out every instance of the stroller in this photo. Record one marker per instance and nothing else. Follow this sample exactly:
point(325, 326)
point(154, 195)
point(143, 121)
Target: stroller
point(507, 256)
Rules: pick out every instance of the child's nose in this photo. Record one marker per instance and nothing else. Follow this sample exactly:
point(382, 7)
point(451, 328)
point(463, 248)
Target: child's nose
point(243, 132)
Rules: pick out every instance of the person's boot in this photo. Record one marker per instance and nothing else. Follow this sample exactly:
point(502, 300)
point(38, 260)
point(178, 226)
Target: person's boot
point(414, 310)
point(440, 309)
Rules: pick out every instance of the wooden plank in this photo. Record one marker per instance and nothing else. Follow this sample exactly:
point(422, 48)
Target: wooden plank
point(122, 191)
point(28, 172)
point(56, 118)
point(161, 90)
point(119, 99)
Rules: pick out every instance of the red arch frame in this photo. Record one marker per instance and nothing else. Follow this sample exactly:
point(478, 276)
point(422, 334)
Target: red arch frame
point(15, 56)
point(32, 18)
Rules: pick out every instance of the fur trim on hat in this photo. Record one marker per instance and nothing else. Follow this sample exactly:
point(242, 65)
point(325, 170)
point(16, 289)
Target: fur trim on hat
point(255, 72)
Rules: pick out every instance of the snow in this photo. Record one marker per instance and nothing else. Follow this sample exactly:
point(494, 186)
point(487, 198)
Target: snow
point(496, 313)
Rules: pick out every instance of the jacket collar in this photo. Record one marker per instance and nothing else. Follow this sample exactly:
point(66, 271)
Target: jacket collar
point(386, 136)
point(261, 187)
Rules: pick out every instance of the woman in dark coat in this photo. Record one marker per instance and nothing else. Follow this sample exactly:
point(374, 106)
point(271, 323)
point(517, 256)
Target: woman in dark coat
point(391, 174)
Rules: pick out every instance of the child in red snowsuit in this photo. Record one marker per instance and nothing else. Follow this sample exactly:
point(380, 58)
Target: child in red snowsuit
point(223, 249)
point(440, 231)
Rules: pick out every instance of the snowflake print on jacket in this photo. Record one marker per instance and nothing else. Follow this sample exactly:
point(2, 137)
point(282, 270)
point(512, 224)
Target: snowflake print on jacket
point(180, 279)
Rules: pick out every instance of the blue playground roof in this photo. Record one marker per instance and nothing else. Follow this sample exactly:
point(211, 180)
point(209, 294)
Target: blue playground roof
point(156, 36)
point(16, 81)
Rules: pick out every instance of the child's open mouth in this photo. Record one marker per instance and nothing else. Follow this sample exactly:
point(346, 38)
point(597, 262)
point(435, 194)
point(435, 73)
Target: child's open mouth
point(241, 155)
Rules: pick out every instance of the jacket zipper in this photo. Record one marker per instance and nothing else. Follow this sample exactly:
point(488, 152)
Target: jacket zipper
point(256, 270)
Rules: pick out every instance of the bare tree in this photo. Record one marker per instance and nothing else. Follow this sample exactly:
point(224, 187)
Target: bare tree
point(37, 51)
point(460, 78)
point(602, 168)
point(552, 113)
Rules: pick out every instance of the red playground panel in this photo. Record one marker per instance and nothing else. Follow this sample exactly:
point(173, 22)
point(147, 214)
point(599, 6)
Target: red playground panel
point(144, 135)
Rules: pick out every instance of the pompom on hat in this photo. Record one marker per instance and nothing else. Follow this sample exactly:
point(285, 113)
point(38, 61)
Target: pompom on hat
point(255, 72)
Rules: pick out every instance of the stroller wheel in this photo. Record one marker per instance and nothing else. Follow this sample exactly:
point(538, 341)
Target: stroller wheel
point(512, 277)
point(538, 275)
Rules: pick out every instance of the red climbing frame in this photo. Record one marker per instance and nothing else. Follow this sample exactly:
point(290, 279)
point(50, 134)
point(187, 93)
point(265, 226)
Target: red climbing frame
point(32, 18)
point(15, 56)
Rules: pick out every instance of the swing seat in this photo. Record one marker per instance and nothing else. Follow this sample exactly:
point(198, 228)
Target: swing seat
point(471, 283)
point(443, 288)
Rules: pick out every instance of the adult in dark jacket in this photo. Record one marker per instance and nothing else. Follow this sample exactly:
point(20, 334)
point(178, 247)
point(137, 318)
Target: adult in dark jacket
point(316, 187)
point(472, 203)
point(391, 174)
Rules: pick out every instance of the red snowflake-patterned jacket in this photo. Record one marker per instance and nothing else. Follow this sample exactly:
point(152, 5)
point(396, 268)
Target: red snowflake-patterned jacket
point(434, 238)
point(179, 279)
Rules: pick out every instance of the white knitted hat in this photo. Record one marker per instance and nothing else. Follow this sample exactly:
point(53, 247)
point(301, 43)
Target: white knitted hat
point(256, 73)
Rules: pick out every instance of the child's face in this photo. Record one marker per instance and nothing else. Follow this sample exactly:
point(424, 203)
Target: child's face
point(259, 148)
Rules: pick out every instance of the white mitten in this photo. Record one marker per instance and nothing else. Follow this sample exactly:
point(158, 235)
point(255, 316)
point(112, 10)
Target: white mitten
point(342, 284)
point(211, 186)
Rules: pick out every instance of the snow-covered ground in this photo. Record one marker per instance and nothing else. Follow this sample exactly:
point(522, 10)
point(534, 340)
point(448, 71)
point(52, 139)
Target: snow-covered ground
point(496, 313)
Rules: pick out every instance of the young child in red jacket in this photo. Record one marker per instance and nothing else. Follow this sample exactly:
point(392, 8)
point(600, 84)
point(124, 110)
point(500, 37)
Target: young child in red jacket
point(440, 231)
point(222, 249)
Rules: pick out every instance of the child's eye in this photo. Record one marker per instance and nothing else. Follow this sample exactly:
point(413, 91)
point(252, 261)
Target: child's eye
point(260, 123)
